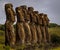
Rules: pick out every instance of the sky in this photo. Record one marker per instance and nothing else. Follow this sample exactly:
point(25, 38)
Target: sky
point(50, 7)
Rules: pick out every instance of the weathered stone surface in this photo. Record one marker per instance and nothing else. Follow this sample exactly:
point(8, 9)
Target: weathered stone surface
point(10, 18)
point(10, 14)
point(33, 17)
point(20, 33)
point(46, 27)
point(30, 8)
point(24, 7)
point(31, 26)
point(20, 15)
point(34, 34)
point(39, 33)
point(26, 25)
point(40, 19)
point(42, 27)
point(27, 33)
point(46, 19)
point(7, 39)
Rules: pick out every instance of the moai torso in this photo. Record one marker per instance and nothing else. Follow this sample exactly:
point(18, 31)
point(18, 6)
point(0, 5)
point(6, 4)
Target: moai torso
point(20, 33)
point(32, 25)
point(10, 19)
point(46, 22)
point(26, 24)
point(39, 33)
point(42, 27)
point(40, 22)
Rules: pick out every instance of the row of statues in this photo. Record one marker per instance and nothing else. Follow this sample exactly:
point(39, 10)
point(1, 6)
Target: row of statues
point(31, 26)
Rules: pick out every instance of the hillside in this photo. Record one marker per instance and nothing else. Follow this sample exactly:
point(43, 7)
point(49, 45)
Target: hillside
point(55, 30)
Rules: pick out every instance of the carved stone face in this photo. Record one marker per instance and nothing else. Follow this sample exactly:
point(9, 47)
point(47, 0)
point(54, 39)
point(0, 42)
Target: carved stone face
point(27, 18)
point(8, 6)
point(33, 17)
point(20, 15)
point(24, 7)
point(10, 14)
point(30, 8)
point(40, 15)
point(46, 19)
point(35, 13)
point(25, 13)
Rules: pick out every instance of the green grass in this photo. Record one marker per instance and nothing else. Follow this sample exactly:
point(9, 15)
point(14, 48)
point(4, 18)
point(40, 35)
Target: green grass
point(2, 39)
point(54, 30)
point(57, 48)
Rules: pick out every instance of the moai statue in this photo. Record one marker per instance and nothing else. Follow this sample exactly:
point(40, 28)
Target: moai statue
point(46, 24)
point(32, 25)
point(30, 10)
point(20, 33)
point(9, 28)
point(42, 27)
point(38, 25)
point(26, 25)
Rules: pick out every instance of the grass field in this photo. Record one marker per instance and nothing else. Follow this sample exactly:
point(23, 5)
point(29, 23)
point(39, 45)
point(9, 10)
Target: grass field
point(2, 39)
point(58, 48)
point(54, 30)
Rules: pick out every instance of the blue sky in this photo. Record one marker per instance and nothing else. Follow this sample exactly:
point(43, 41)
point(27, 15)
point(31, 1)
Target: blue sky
point(50, 7)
